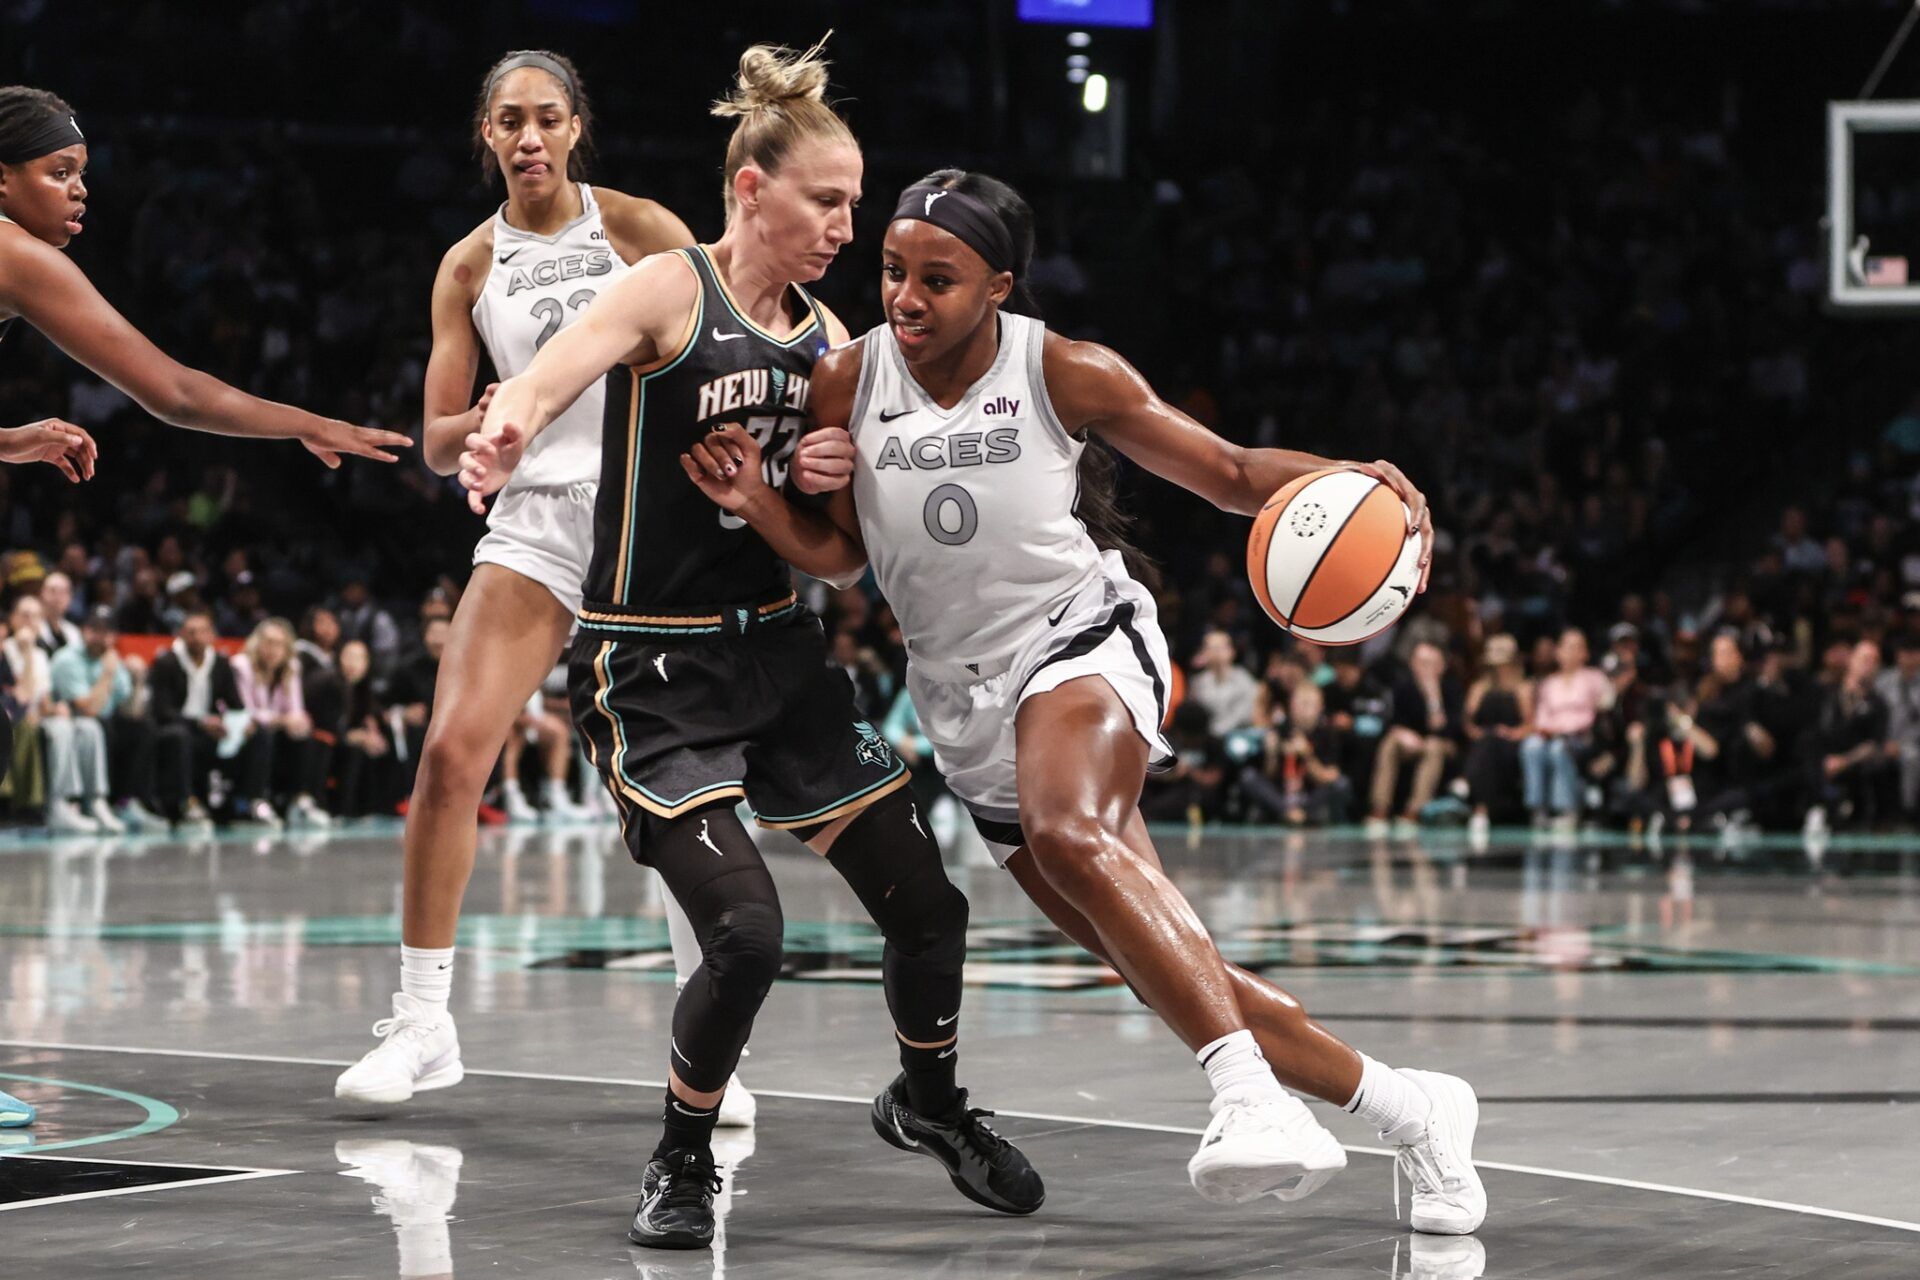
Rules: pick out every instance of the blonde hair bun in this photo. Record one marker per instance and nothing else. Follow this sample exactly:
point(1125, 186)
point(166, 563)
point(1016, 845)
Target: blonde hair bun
point(772, 75)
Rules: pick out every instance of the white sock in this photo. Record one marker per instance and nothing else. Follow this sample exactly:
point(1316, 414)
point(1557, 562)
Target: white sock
point(1390, 1102)
point(1234, 1064)
point(554, 793)
point(426, 974)
point(426, 1248)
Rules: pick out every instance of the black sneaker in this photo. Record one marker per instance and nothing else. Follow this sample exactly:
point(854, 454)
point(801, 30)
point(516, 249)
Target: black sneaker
point(676, 1202)
point(984, 1167)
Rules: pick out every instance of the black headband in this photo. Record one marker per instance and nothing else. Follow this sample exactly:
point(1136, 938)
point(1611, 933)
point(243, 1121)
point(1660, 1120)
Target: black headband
point(53, 133)
point(545, 64)
point(977, 226)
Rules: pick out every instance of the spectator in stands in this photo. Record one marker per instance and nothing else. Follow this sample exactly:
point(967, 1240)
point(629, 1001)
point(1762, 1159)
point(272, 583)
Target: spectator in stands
point(1899, 688)
point(1423, 734)
point(57, 629)
point(25, 784)
point(1848, 744)
point(1357, 708)
point(140, 612)
point(1189, 789)
point(1498, 709)
point(98, 688)
point(1297, 778)
point(363, 760)
point(1566, 705)
point(410, 692)
point(1225, 690)
point(1799, 552)
point(194, 694)
point(552, 733)
point(267, 674)
point(362, 619)
point(865, 671)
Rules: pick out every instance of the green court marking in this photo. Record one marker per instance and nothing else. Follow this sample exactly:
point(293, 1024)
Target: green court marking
point(159, 1114)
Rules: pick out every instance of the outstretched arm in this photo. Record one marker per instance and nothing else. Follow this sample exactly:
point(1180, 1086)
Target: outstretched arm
point(640, 319)
point(55, 296)
point(1093, 388)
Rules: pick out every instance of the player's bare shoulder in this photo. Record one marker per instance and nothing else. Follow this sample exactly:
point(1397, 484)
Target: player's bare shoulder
point(836, 378)
point(638, 227)
point(464, 266)
point(1086, 381)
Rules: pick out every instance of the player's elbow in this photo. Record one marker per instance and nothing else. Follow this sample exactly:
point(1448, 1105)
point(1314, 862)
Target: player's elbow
point(847, 573)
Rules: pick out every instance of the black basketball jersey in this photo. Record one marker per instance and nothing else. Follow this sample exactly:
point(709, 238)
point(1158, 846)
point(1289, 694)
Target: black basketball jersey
point(657, 540)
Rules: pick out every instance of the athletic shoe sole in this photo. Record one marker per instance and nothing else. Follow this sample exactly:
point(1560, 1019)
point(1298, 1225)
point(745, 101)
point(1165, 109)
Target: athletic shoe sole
point(1222, 1179)
point(648, 1241)
point(440, 1078)
point(1454, 1099)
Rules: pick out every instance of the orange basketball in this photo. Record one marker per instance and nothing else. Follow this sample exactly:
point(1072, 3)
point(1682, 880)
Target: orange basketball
point(1330, 557)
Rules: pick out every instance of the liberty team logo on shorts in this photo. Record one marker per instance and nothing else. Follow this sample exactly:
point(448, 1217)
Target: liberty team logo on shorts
point(873, 748)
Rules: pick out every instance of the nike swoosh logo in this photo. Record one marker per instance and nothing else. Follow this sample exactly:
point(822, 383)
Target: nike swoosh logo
point(949, 1051)
point(509, 257)
point(447, 965)
point(902, 1133)
point(1054, 621)
point(889, 417)
point(945, 1022)
point(683, 1111)
point(725, 337)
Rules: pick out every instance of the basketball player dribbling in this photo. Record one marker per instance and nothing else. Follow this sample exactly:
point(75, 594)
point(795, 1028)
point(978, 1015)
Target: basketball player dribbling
point(509, 286)
point(951, 438)
point(698, 677)
point(43, 199)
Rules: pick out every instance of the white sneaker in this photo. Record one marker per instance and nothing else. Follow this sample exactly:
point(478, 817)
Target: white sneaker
point(738, 1109)
point(196, 818)
point(139, 818)
point(1263, 1145)
point(513, 803)
point(1405, 828)
point(1448, 1197)
point(261, 812)
point(1479, 831)
point(1378, 827)
point(1816, 823)
point(103, 817)
point(420, 1051)
point(65, 819)
point(417, 1182)
point(561, 807)
point(305, 813)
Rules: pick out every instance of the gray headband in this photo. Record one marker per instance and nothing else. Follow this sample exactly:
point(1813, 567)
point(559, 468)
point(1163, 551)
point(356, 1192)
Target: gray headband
point(545, 64)
point(55, 132)
point(977, 226)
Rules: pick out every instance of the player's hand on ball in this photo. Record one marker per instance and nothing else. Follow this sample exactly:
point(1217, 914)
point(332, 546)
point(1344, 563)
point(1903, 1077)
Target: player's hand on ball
point(726, 467)
point(488, 464)
point(1420, 519)
point(824, 460)
point(52, 440)
point(331, 438)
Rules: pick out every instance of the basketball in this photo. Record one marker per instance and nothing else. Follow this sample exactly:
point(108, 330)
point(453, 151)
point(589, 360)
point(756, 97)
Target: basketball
point(1331, 559)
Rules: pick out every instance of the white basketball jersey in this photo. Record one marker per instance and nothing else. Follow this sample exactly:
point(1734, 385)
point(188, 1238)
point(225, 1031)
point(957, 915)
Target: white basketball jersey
point(536, 286)
point(967, 512)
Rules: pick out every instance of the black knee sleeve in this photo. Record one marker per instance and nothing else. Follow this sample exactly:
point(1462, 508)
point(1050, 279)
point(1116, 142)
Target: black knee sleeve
point(893, 867)
point(713, 870)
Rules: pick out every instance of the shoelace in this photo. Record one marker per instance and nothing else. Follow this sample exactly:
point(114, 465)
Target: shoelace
point(1424, 1163)
point(686, 1184)
point(386, 1025)
point(981, 1135)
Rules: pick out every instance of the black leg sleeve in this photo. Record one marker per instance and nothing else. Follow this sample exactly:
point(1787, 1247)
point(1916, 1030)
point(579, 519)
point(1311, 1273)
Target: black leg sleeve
point(713, 870)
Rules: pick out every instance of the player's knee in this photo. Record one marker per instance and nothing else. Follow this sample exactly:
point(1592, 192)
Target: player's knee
point(453, 767)
point(929, 919)
point(742, 952)
point(1075, 853)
